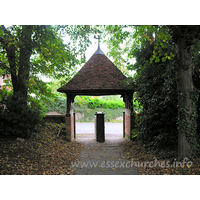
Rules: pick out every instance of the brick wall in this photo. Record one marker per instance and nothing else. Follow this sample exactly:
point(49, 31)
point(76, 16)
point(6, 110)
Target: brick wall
point(70, 127)
point(127, 123)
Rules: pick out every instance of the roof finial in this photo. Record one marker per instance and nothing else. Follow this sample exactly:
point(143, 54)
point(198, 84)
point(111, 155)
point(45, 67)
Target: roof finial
point(98, 38)
point(98, 51)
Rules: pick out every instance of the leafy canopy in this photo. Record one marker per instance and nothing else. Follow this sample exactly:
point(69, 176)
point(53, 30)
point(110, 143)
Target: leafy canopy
point(51, 56)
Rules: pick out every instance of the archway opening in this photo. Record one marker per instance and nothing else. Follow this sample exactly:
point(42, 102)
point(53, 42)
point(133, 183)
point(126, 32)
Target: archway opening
point(85, 107)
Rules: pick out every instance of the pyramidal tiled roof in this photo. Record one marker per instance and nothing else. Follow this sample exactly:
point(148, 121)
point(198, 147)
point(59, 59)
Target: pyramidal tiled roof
point(98, 76)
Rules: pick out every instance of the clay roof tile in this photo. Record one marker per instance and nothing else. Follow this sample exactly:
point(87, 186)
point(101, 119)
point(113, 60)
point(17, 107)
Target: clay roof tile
point(98, 76)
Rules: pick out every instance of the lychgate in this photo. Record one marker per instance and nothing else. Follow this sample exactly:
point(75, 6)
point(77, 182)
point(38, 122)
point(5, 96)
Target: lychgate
point(99, 76)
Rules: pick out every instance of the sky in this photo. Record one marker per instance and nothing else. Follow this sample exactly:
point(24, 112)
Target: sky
point(93, 47)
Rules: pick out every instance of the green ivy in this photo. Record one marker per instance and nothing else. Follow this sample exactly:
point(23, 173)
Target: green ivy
point(156, 91)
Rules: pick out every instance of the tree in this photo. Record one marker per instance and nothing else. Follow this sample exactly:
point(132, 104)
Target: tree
point(26, 53)
point(184, 38)
point(156, 91)
point(29, 50)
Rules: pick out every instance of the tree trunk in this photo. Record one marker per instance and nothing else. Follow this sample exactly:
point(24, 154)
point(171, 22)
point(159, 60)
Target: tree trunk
point(12, 62)
point(21, 88)
point(186, 106)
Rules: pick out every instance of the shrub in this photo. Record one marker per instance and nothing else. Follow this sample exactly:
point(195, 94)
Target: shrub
point(17, 118)
point(58, 105)
point(94, 102)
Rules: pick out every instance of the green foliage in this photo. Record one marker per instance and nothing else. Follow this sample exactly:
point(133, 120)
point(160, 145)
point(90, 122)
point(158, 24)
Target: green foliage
point(110, 102)
point(58, 104)
point(95, 102)
point(122, 41)
point(156, 80)
point(157, 93)
point(195, 138)
point(49, 99)
point(27, 52)
point(112, 106)
point(88, 113)
point(18, 119)
point(196, 76)
point(5, 93)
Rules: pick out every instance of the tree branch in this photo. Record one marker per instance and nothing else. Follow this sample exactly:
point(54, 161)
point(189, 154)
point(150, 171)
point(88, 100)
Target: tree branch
point(10, 50)
point(2, 40)
point(4, 65)
point(4, 28)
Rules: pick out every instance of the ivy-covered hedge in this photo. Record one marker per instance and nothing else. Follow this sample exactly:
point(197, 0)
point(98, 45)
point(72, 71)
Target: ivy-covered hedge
point(157, 93)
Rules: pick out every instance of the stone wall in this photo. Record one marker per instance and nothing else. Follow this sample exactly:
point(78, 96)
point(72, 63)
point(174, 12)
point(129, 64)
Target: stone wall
point(54, 117)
